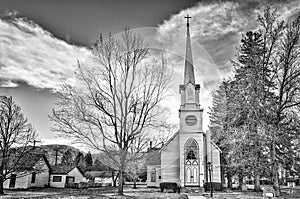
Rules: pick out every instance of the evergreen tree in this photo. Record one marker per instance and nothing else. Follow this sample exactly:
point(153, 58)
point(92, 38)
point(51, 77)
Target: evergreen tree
point(89, 161)
point(219, 128)
point(80, 160)
point(257, 122)
point(253, 82)
point(67, 158)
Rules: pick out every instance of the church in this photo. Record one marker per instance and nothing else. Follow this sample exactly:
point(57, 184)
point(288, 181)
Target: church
point(189, 156)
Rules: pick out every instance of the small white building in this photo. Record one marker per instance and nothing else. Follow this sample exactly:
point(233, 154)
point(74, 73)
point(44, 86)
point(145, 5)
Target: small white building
point(153, 163)
point(62, 176)
point(36, 174)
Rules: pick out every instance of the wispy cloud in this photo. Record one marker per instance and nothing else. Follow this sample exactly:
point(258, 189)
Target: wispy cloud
point(216, 29)
point(30, 54)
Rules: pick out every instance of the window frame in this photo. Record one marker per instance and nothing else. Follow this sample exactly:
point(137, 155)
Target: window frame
point(191, 150)
point(57, 176)
point(153, 175)
point(33, 177)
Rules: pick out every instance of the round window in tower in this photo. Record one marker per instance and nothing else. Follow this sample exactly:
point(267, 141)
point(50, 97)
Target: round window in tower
point(191, 120)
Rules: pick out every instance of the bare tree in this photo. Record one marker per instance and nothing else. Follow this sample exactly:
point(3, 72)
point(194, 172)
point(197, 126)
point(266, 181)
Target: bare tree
point(117, 99)
point(16, 134)
point(287, 104)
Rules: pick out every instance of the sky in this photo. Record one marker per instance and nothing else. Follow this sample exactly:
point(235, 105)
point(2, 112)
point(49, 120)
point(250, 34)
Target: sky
point(42, 40)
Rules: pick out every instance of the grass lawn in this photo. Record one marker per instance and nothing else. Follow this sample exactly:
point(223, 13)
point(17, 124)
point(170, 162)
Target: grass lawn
point(295, 194)
point(139, 193)
point(102, 193)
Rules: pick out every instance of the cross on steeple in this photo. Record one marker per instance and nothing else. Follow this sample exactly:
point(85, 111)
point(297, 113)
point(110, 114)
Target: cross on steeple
point(187, 20)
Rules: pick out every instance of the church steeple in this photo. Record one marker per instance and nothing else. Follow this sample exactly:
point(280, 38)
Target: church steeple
point(189, 76)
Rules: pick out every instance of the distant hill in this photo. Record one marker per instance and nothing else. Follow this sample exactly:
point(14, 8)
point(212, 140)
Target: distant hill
point(50, 152)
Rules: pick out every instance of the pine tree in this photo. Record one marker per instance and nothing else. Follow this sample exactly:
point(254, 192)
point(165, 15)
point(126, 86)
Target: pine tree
point(89, 161)
point(239, 109)
point(80, 160)
point(219, 128)
point(256, 120)
point(67, 158)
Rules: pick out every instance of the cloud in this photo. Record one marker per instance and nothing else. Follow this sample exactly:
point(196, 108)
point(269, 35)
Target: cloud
point(30, 54)
point(216, 28)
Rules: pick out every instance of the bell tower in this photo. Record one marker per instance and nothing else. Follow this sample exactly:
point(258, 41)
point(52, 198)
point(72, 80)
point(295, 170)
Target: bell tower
point(190, 112)
point(191, 136)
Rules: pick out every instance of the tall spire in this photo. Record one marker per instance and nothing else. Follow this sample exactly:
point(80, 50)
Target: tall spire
point(189, 76)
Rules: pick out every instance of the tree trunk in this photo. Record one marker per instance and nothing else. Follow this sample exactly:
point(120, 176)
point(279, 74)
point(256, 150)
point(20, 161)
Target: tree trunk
point(134, 182)
point(276, 185)
point(276, 181)
point(229, 180)
point(120, 189)
point(275, 171)
point(222, 175)
point(257, 181)
point(1, 183)
point(241, 181)
point(114, 178)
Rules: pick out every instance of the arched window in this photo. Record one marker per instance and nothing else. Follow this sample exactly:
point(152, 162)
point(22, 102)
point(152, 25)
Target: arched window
point(191, 150)
point(153, 175)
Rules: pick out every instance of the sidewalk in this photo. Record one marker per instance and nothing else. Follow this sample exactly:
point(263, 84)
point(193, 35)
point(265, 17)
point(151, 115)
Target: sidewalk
point(196, 197)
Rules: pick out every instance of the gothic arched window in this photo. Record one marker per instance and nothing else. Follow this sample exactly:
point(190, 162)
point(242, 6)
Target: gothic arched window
point(191, 150)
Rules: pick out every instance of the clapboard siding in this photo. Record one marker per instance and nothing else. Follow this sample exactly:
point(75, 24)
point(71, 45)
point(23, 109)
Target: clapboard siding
point(170, 161)
point(41, 179)
point(77, 174)
point(21, 182)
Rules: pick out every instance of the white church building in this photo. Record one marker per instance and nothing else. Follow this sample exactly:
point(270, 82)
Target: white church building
point(183, 159)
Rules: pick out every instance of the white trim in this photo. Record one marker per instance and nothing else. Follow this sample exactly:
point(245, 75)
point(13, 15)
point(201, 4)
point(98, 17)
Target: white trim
point(216, 146)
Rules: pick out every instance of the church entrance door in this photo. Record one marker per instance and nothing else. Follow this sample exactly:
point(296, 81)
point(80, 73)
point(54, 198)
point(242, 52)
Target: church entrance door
point(191, 163)
point(192, 173)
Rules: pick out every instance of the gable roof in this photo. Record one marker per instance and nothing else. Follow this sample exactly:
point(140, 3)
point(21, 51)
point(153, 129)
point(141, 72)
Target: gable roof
point(170, 140)
point(28, 161)
point(216, 146)
point(153, 157)
point(64, 169)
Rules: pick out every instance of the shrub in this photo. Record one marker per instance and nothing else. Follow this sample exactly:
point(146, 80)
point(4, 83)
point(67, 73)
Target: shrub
point(216, 186)
point(169, 185)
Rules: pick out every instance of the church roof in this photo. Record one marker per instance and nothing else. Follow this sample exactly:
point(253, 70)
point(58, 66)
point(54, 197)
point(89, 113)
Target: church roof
point(216, 146)
point(168, 142)
point(189, 76)
point(153, 157)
